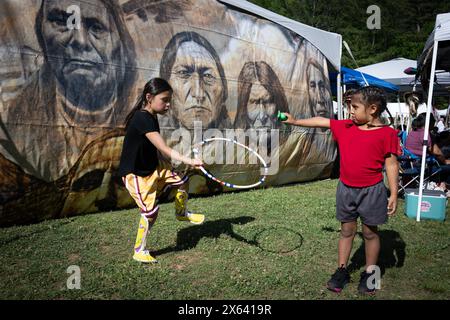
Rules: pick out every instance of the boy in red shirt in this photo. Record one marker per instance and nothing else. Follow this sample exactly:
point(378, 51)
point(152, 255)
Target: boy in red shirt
point(365, 146)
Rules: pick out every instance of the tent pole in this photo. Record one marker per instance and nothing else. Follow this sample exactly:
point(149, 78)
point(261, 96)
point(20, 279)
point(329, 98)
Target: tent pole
point(446, 115)
point(344, 108)
point(339, 96)
point(400, 110)
point(427, 128)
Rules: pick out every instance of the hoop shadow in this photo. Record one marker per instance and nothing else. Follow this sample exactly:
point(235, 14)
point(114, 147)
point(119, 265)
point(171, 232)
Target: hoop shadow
point(266, 239)
point(189, 237)
point(392, 252)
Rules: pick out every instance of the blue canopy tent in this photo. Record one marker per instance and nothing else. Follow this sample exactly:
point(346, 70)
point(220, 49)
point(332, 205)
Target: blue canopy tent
point(356, 79)
point(351, 79)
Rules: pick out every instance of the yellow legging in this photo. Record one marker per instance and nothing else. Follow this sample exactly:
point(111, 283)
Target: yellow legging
point(148, 219)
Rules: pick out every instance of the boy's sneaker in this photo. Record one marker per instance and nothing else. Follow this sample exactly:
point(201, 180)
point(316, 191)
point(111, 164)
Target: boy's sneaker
point(144, 256)
point(338, 280)
point(193, 218)
point(363, 287)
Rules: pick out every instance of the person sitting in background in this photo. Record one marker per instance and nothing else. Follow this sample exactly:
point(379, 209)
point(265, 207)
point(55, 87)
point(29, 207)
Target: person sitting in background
point(435, 142)
point(443, 142)
point(415, 137)
point(441, 150)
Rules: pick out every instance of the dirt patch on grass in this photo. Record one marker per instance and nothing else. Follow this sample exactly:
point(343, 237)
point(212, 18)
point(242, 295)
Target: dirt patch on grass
point(74, 257)
point(187, 259)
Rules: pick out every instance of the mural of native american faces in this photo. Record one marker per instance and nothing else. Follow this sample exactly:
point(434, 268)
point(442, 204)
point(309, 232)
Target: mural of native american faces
point(68, 80)
point(89, 62)
point(193, 68)
point(80, 91)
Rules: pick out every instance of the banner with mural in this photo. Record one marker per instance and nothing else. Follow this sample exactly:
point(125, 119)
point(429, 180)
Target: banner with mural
point(71, 71)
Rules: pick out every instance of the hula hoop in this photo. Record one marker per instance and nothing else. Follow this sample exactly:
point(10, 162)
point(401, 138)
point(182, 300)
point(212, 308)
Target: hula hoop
point(224, 183)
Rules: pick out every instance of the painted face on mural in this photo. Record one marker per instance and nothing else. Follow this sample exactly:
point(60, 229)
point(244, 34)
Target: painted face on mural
point(318, 93)
point(197, 85)
point(82, 60)
point(261, 108)
point(260, 97)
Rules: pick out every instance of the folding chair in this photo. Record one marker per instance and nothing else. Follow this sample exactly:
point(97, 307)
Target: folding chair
point(409, 174)
point(402, 136)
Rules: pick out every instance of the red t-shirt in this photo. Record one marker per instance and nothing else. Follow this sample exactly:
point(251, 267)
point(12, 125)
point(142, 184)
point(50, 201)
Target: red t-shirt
point(363, 152)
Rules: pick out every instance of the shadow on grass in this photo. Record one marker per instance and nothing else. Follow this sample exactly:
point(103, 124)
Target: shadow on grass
point(392, 252)
point(189, 237)
point(41, 229)
point(278, 239)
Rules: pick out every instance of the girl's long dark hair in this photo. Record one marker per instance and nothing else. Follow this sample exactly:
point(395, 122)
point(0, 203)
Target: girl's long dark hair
point(154, 87)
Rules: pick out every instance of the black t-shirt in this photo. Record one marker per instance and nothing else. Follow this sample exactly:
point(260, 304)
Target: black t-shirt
point(139, 156)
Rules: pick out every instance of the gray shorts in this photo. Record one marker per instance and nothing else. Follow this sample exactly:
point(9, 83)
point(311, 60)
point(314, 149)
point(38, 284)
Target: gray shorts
point(369, 203)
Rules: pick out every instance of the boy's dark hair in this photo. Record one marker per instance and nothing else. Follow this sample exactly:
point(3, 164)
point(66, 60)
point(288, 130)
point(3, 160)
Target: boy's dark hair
point(374, 95)
point(349, 93)
point(154, 86)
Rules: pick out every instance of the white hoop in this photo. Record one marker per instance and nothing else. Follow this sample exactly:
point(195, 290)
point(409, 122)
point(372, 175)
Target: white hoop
point(227, 184)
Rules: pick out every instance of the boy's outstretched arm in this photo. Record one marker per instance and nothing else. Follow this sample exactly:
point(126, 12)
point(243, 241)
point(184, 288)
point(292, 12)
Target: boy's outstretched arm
point(316, 122)
point(157, 140)
point(392, 168)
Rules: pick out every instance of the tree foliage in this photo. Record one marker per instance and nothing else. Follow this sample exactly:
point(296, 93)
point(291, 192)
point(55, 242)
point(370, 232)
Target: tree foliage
point(405, 24)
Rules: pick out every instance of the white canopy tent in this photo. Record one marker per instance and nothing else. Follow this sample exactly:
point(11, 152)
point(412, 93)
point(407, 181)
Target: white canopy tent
point(438, 48)
point(398, 109)
point(393, 72)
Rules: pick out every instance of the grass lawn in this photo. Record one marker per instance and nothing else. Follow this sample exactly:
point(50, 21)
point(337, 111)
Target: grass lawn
point(276, 243)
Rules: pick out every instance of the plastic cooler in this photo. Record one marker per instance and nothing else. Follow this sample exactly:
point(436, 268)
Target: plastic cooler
point(434, 204)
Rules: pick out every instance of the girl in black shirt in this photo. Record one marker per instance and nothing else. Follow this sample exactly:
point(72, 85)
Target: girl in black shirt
point(143, 174)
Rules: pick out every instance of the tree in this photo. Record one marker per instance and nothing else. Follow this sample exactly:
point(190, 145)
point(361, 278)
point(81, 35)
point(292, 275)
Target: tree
point(405, 24)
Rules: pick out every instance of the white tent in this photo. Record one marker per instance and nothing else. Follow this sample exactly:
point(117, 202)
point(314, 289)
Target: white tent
point(438, 48)
point(398, 109)
point(393, 72)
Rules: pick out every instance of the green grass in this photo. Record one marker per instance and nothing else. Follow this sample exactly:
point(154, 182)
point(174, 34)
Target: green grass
point(277, 243)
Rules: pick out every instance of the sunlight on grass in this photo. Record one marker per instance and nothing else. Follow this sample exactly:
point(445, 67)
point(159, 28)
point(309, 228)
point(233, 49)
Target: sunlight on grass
point(276, 243)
